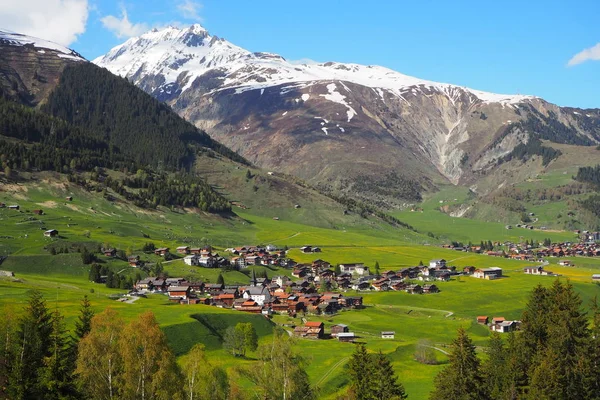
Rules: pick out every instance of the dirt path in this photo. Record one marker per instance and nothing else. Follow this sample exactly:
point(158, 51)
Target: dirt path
point(333, 368)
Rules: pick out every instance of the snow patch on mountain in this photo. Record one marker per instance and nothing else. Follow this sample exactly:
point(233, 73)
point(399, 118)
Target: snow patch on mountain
point(337, 97)
point(17, 39)
point(171, 52)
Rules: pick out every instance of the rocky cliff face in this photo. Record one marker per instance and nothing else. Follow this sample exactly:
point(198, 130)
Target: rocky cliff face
point(30, 67)
point(339, 124)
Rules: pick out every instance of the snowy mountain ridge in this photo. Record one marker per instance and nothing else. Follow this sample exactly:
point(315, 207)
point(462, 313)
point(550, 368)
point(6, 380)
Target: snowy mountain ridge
point(18, 39)
point(182, 55)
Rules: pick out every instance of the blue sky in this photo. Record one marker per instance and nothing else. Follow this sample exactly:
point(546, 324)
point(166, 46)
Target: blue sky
point(546, 48)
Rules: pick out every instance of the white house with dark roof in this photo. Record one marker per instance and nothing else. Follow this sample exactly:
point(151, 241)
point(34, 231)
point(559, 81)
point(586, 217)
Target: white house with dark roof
point(260, 294)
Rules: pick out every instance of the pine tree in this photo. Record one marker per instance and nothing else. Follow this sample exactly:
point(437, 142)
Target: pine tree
point(361, 371)
point(385, 380)
point(84, 321)
point(34, 333)
point(376, 267)
point(495, 370)
point(220, 279)
point(8, 341)
point(461, 379)
point(565, 355)
point(535, 322)
point(56, 376)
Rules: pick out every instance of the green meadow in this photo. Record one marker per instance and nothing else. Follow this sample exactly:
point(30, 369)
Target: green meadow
point(89, 218)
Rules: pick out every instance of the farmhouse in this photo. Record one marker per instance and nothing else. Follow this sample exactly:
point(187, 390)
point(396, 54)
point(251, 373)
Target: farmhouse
point(13, 207)
point(483, 320)
point(566, 263)
point(133, 260)
point(438, 263)
point(346, 337)
point(537, 271)
point(179, 292)
point(161, 251)
point(596, 277)
point(183, 250)
point(38, 212)
point(337, 329)
point(354, 268)
point(488, 273)
point(388, 334)
point(193, 260)
point(316, 329)
point(51, 233)
point(505, 326)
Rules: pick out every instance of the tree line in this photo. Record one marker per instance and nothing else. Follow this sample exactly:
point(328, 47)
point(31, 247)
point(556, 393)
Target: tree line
point(555, 356)
point(523, 151)
point(105, 358)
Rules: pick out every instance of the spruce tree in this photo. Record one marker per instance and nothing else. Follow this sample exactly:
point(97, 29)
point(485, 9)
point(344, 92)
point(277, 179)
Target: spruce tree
point(565, 356)
point(56, 378)
point(34, 339)
point(84, 321)
point(461, 379)
point(385, 380)
point(361, 371)
point(495, 370)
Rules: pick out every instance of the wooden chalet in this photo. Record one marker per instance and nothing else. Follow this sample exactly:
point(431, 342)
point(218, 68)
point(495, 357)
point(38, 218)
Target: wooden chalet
point(180, 292)
point(161, 251)
point(183, 250)
point(346, 337)
point(339, 328)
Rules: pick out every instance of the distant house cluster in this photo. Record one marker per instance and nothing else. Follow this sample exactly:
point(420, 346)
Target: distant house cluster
point(499, 324)
point(261, 295)
point(202, 257)
point(587, 246)
point(245, 256)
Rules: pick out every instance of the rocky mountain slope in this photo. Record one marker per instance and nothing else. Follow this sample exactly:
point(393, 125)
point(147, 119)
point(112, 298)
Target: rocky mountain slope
point(352, 127)
point(30, 67)
point(60, 113)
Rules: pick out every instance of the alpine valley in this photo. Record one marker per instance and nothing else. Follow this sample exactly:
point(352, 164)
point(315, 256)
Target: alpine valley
point(364, 130)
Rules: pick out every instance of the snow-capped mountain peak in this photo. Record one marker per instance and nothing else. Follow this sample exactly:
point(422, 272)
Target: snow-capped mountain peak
point(177, 56)
point(17, 39)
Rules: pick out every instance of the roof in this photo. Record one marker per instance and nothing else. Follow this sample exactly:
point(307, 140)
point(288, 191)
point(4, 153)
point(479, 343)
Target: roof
point(388, 332)
point(345, 334)
point(341, 325)
point(179, 288)
point(256, 290)
point(313, 324)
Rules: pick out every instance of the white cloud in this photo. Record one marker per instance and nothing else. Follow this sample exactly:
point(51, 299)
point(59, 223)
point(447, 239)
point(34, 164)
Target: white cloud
point(190, 9)
point(122, 27)
point(60, 21)
point(592, 53)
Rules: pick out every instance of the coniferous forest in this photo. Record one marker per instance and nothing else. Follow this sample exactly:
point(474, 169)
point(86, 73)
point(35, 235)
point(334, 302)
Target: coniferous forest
point(94, 120)
point(554, 356)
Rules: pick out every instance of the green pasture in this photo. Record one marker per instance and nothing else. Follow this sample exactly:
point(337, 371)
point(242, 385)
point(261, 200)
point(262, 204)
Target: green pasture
point(90, 218)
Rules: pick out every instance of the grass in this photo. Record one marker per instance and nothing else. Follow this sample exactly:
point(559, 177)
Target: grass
point(90, 218)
